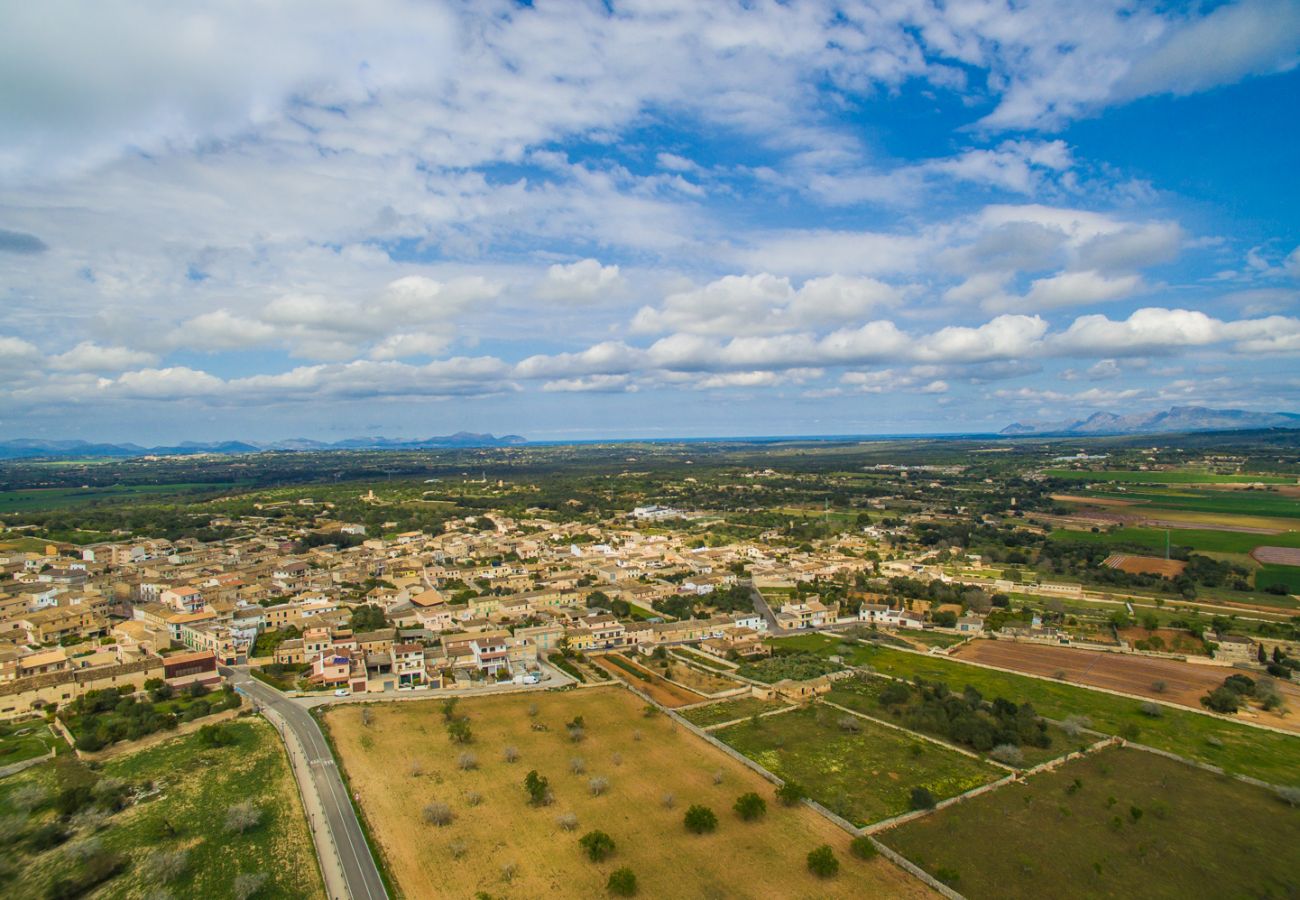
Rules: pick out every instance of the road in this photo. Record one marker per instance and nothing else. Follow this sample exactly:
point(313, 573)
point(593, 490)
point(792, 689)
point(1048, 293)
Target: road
point(359, 872)
point(761, 607)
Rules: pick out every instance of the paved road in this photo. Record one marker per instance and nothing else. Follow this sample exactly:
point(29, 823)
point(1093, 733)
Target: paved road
point(358, 865)
point(761, 607)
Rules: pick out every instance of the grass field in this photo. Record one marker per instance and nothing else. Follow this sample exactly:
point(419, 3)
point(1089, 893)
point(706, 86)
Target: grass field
point(862, 694)
point(1232, 503)
point(1287, 576)
point(26, 739)
point(1138, 825)
point(195, 785)
point(1236, 748)
point(864, 776)
point(502, 829)
point(1181, 477)
point(56, 498)
point(1203, 539)
point(729, 710)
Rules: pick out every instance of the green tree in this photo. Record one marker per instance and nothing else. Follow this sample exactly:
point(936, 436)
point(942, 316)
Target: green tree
point(538, 788)
point(700, 819)
point(750, 806)
point(822, 862)
point(791, 793)
point(622, 883)
point(597, 844)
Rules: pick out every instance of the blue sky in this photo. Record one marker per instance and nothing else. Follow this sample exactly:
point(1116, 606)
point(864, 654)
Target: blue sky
point(586, 220)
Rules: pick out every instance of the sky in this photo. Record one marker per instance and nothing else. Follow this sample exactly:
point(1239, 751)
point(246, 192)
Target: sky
point(571, 220)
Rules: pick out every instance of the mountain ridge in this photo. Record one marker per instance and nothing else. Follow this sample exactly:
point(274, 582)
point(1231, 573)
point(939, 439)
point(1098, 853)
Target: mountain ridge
point(1175, 419)
point(26, 448)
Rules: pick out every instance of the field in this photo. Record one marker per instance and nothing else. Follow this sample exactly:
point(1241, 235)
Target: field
point(705, 682)
point(730, 710)
point(503, 829)
point(1231, 503)
point(1137, 825)
point(862, 694)
point(1278, 556)
point(1175, 640)
point(57, 498)
point(864, 776)
point(26, 739)
point(1206, 540)
point(1185, 683)
point(1237, 748)
point(1145, 565)
point(1181, 477)
point(196, 785)
point(1287, 576)
point(670, 695)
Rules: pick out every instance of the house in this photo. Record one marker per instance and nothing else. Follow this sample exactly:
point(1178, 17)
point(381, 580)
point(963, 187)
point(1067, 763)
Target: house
point(1235, 648)
point(408, 663)
point(809, 614)
point(490, 654)
point(970, 624)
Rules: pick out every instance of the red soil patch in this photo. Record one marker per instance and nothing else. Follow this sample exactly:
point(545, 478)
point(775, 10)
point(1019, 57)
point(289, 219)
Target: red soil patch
point(1278, 556)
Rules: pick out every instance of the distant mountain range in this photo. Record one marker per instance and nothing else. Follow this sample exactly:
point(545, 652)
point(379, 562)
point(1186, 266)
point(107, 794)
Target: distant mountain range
point(25, 448)
point(1176, 419)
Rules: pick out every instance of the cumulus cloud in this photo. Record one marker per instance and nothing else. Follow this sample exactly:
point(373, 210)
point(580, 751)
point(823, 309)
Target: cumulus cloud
point(579, 283)
point(91, 357)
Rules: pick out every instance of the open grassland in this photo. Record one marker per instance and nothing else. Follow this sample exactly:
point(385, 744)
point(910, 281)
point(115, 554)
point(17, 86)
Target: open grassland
point(863, 694)
point(58, 498)
point(741, 859)
point(1120, 823)
point(1237, 748)
point(1176, 477)
point(864, 775)
point(1205, 540)
point(1184, 683)
point(187, 789)
point(1287, 576)
point(730, 710)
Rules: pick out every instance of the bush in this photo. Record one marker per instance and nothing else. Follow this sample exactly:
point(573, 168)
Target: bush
point(669, 800)
point(700, 819)
point(750, 806)
point(598, 785)
point(510, 754)
point(247, 884)
point(597, 844)
point(166, 865)
point(467, 762)
point(242, 817)
point(1154, 710)
point(622, 883)
point(1289, 795)
point(862, 848)
point(566, 822)
point(437, 813)
point(1222, 700)
point(922, 798)
point(538, 788)
point(850, 724)
point(459, 731)
point(1008, 754)
point(47, 837)
point(822, 862)
point(790, 793)
point(577, 765)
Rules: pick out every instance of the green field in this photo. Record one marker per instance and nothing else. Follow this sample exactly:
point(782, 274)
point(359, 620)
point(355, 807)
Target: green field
point(1240, 749)
point(864, 776)
point(56, 498)
point(185, 790)
point(1180, 477)
point(1136, 825)
point(1203, 539)
point(729, 710)
point(1287, 576)
point(26, 739)
point(1232, 503)
point(862, 694)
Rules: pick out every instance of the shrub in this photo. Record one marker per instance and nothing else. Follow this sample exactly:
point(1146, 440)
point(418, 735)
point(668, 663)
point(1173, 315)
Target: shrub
point(47, 837)
point(1222, 700)
point(717, 777)
point(1154, 710)
point(850, 724)
point(597, 845)
point(750, 806)
point(510, 754)
point(577, 765)
point(622, 883)
point(28, 796)
point(616, 759)
point(1289, 795)
point(467, 762)
point(449, 708)
point(242, 817)
point(473, 798)
point(700, 819)
point(862, 847)
point(598, 785)
point(459, 731)
point(1159, 687)
point(532, 710)
point(457, 849)
point(1075, 725)
point(668, 801)
point(576, 733)
point(247, 884)
point(166, 865)
point(437, 813)
point(1008, 754)
point(538, 788)
point(791, 793)
point(508, 872)
point(822, 862)
point(567, 821)
point(922, 798)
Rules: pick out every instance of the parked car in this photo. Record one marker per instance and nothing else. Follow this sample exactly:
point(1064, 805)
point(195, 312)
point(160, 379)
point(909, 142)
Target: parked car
point(341, 692)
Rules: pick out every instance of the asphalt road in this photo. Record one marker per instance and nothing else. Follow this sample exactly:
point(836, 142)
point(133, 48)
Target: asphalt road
point(359, 870)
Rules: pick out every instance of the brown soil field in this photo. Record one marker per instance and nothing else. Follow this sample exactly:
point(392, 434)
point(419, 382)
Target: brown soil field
point(1146, 565)
point(1281, 556)
point(1185, 683)
point(1091, 501)
point(670, 695)
point(696, 679)
point(1175, 641)
point(740, 860)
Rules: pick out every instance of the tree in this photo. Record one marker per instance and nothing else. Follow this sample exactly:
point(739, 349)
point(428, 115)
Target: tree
point(790, 793)
point(597, 844)
point(510, 754)
point(598, 785)
point(750, 806)
point(467, 762)
point(1008, 754)
point(862, 847)
point(822, 862)
point(246, 884)
point(700, 819)
point(449, 708)
point(538, 788)
point(166, 865)
point(459, 731)
point(566, 821)
point(243, 817)
point(622, 883)
point(1222, 700)
point(922, 798)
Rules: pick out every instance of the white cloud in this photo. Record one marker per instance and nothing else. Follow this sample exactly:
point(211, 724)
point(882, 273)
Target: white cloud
point(222, 330)
point(579, 283)
point(91, 357)
point(1076, 289)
